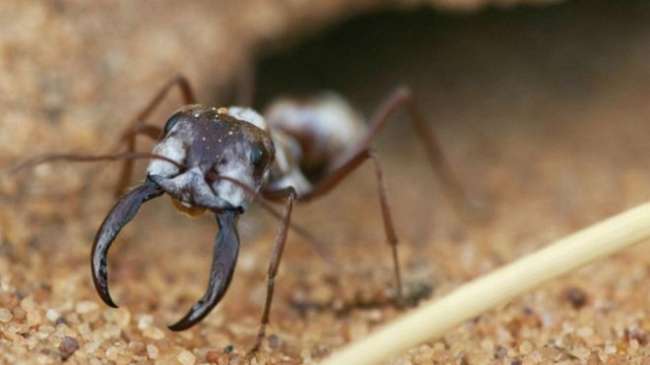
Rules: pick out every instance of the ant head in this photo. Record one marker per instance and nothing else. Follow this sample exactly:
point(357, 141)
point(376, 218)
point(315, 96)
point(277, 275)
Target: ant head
point(212, 143)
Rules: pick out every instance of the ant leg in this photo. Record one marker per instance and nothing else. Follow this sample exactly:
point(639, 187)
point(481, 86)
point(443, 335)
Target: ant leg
point(276, 256)
point(389, 227)
point(137, 125)
point(403, 98)
point(338, 175)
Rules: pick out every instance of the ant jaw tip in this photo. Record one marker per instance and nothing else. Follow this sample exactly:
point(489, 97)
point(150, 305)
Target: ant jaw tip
point(102, 291)
point(180, 326)
point(112, 304)
point(106, 298)
point(184, 323)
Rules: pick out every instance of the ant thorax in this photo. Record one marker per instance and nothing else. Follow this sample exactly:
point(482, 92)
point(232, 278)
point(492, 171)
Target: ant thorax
point(286, 170)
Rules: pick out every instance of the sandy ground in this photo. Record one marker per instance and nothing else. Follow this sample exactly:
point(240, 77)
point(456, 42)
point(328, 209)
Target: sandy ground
point(543, 114)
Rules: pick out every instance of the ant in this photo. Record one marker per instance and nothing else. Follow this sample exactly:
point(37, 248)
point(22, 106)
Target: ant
point(221, 159)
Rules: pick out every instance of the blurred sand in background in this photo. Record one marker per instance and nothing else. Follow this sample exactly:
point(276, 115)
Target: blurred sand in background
point(542, 110)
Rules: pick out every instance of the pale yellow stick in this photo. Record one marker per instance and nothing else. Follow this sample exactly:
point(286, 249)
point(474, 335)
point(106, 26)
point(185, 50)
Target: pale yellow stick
point(431, 320)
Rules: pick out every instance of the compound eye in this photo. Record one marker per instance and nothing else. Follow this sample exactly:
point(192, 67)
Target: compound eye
point(257, 156)
point(171, 122)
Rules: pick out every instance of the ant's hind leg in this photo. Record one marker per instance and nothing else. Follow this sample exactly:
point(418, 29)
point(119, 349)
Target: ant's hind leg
point(403, 98)
point(137, 126)
point(389, 227)
point(400, 98)
point(338, 175)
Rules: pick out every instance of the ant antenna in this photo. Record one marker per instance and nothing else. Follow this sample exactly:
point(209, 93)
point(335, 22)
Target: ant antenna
point(70, 157)
point(318, 245)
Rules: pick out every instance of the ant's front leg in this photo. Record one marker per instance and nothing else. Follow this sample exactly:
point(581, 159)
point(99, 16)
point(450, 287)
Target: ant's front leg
point(137, 126)
point(278, 248)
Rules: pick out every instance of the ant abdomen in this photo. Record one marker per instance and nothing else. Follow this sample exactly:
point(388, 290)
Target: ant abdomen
point(325, 126)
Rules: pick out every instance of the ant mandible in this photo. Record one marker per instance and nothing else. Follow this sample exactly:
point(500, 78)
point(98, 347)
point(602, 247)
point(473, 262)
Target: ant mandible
point(220, 159)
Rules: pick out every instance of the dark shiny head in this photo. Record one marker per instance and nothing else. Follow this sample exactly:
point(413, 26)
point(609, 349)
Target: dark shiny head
point(220, 155)
point(210, 142)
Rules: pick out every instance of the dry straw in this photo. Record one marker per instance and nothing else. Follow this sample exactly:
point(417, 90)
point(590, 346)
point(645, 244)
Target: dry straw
point(431, 320)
